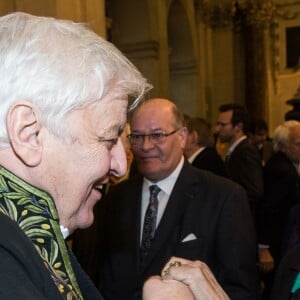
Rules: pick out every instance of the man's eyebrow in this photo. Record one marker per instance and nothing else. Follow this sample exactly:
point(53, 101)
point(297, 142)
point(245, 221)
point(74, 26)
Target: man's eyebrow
point(153, 130)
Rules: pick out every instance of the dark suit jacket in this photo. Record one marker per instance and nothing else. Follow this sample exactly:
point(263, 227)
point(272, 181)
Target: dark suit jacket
point(291, 235)
point(211, 207)
point(285, 275)
point(266, 151)
point(281, 194)
point(209, 159)
point(23, 274)
point(244, 167)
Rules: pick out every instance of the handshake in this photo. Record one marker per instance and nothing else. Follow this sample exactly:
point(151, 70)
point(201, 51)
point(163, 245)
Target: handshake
point(183, 279)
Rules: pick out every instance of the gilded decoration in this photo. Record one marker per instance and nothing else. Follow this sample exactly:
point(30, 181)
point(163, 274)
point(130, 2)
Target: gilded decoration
point(215, 15)
point(284, 13)
point(263, 17)
point(253, 12)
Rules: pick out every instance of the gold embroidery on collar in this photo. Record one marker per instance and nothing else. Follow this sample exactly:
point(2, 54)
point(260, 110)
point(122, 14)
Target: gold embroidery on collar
point(36, 215)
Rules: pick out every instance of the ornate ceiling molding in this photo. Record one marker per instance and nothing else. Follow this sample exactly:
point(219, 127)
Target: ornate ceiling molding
point(215, 15)
point(258, 13)
point(265, 17)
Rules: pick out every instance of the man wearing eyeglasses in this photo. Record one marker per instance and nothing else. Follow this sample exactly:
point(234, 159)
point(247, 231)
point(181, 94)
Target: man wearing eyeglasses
point(197, 215)
point(242, 159)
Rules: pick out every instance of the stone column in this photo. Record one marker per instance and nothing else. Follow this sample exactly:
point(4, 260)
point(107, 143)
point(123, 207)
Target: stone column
point(257, 17)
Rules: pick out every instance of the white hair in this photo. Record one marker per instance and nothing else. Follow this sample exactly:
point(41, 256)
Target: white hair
point(59, 65)
point(281, 135)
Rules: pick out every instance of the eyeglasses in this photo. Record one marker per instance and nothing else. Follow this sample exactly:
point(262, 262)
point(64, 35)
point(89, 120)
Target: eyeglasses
point(155, 137)
point(221, 124)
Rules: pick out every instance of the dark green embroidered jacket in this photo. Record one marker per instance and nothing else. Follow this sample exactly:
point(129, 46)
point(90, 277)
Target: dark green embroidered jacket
point(35, 213)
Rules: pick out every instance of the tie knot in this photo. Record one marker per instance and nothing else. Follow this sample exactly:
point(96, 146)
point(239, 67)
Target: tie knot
point(154, 190)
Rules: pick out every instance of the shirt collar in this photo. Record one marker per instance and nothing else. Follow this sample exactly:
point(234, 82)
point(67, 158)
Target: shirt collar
point(167, 184)
point(234, 145)
point(193, 156)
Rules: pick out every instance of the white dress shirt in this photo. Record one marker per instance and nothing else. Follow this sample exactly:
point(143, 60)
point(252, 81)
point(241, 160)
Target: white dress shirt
point(235, 144)
point(193, 156)
point(166, 185)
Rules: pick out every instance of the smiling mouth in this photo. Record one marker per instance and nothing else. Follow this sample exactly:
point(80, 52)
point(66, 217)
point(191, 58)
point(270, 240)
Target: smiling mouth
point(99, 187)
point(147, 158)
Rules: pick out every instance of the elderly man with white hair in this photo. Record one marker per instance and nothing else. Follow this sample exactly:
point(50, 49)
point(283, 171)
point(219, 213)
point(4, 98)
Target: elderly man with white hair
point(281, 183)
point(64, 97)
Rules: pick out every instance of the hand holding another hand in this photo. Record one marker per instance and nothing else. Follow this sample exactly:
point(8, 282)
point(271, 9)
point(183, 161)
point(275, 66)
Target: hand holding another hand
point(157, 288)
point(183, 279)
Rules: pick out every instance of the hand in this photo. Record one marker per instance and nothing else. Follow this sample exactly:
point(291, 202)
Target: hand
point(155, 288)
point(197, 276)
point(266, 261)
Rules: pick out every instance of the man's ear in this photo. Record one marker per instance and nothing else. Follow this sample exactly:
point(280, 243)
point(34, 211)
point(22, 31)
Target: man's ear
point(240, 126)
point(183, 133)
point(23, 129)
point(195, 137)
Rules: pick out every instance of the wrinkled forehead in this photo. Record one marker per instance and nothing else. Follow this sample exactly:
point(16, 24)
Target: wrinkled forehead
point(152, 117)
point(107, 113)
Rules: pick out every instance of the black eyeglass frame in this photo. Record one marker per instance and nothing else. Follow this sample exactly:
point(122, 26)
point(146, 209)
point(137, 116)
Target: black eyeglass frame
point(154, 137)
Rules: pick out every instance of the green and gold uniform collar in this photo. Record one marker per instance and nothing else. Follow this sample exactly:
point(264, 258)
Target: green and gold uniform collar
point(35, 212)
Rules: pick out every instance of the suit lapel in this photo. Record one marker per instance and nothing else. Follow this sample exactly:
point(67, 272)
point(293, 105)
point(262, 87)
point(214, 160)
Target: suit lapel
point(137, 196)
point(238, 146)
point(131, 233)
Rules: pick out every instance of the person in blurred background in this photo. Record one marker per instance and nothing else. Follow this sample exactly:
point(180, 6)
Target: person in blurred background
point(281, 193)
point(258, 136)
point(242, 161)
point(199, 149)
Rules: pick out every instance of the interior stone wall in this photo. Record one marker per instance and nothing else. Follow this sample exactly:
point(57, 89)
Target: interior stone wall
point(88, 11)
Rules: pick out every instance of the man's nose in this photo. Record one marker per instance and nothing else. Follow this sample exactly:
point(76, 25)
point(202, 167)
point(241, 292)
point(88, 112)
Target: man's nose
point(217, 129)
point(118, 160)
point(147, 142)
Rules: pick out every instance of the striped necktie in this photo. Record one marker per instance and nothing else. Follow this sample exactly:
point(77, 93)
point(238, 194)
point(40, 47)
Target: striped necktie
point(149, 222)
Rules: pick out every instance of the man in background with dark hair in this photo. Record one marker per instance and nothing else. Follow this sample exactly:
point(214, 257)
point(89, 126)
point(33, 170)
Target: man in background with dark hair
point(258, 136)
point(242, 159)
point(199, 149)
